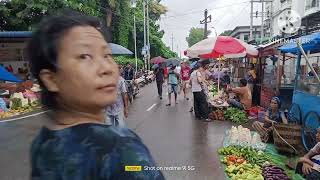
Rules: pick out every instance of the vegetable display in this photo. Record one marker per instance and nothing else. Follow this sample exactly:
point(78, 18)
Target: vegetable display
point(213, 89)
point(244, 137)
point(18, 109)
point(244, 172)
point(236, 115)
point(246, 163)
point(272, 172)
point(251, 155)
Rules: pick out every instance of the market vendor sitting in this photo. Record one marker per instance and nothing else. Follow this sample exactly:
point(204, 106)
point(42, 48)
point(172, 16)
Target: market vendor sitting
point(273, 115)
point(309, 164)
point(244, 95)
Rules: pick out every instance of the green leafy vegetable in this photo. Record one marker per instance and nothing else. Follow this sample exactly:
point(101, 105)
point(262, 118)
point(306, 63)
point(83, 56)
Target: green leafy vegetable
point(236, 115)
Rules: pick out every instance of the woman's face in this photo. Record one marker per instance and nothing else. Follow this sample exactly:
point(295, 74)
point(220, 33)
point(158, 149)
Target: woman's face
point(87, 75)
point(274, 104)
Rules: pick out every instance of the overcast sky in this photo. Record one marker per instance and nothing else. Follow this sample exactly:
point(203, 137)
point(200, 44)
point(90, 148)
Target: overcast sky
point(185, 14)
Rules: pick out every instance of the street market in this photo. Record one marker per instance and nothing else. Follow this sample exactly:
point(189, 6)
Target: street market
point(138, 89)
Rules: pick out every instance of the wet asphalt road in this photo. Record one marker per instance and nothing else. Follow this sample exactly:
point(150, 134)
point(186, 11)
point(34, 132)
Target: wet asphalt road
point(173, 136)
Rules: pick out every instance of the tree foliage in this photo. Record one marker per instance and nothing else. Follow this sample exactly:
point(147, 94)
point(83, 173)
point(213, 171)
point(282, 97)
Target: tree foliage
point(24, 15)
point(195, 35)
point(226, 33)
point(124, 60)
point(123, 27)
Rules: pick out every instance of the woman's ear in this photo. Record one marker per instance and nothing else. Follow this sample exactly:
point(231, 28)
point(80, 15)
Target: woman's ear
point(49, 80)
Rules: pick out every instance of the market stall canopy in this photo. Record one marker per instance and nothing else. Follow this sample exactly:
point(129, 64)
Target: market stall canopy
point(309, 43)
point(157, 60)
point(7, 76)
point(221, 46)
point(119, 50)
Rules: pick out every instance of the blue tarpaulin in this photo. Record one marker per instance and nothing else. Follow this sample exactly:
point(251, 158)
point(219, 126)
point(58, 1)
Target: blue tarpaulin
point(16, 34)
point(7, 76)
point(309, 43)
point(116, 49)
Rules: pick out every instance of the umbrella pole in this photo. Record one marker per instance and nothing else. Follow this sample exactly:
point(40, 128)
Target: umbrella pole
point(219, 75)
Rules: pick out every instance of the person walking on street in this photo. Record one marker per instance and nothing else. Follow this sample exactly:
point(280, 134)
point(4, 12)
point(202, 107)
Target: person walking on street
point(200, 103)
point(117, 112)
point(173, 84)
point(129, 72)
point(159, 73)
point(185, 78)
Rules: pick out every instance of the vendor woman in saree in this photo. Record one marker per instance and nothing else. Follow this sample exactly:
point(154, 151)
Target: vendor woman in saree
point(273, 115)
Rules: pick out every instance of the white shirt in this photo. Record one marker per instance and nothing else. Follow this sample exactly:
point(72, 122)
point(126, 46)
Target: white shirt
point(196, 87)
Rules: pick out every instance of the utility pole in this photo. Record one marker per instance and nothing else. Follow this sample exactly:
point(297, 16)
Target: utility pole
point(207, 19)
point(148, 35)
point(172, 42)
point(251, 21)
point(262, 21)
point(178, 50)
point(262, 15)
point(134, 5)
point(144, 33)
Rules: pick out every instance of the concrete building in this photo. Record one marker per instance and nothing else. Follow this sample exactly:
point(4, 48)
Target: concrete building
point(243, 32)
point(276, 8)
point(309, 11)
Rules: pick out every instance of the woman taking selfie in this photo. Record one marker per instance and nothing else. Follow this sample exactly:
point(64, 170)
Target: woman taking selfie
point(73, 63)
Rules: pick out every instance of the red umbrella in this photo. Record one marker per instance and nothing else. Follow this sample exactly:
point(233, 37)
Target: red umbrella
point(157, 60)
point(221, 46)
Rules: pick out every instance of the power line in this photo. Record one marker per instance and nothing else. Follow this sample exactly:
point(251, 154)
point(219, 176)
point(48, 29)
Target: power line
point(201, 11)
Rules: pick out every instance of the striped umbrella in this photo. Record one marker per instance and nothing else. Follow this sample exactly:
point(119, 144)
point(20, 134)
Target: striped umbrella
point(216, 47)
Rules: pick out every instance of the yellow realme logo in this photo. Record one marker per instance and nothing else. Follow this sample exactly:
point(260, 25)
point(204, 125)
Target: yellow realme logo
point(133, 168)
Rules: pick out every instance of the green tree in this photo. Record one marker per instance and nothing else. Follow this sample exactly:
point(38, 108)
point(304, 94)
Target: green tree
point(123, 27)
point(226, 33)
point(23, 15)
point(195, 35)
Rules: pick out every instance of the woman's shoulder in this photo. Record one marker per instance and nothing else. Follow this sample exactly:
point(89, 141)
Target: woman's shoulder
point(82, 137)
point(101, 147)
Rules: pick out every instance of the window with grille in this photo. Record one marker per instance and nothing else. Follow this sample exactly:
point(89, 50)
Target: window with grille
point(312, 4)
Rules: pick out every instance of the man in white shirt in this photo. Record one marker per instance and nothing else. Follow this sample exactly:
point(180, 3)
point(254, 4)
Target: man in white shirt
point(201, 108)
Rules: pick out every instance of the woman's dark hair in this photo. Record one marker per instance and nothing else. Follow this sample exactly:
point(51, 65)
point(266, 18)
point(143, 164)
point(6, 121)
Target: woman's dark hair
point(243, 82)
point(43, 47)
point(275, 98)
point(20, 70)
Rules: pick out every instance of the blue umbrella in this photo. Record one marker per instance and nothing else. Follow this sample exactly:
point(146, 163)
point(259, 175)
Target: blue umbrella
point(155, 66)
point(119, 50)
point(192, 65)
point(173, 62)
point(7, 76)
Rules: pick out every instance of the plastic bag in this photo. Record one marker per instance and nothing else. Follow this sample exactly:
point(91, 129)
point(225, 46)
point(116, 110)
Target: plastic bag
point(3, 105)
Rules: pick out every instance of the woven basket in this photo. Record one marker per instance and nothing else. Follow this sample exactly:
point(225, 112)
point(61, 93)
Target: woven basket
point(287, 138)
